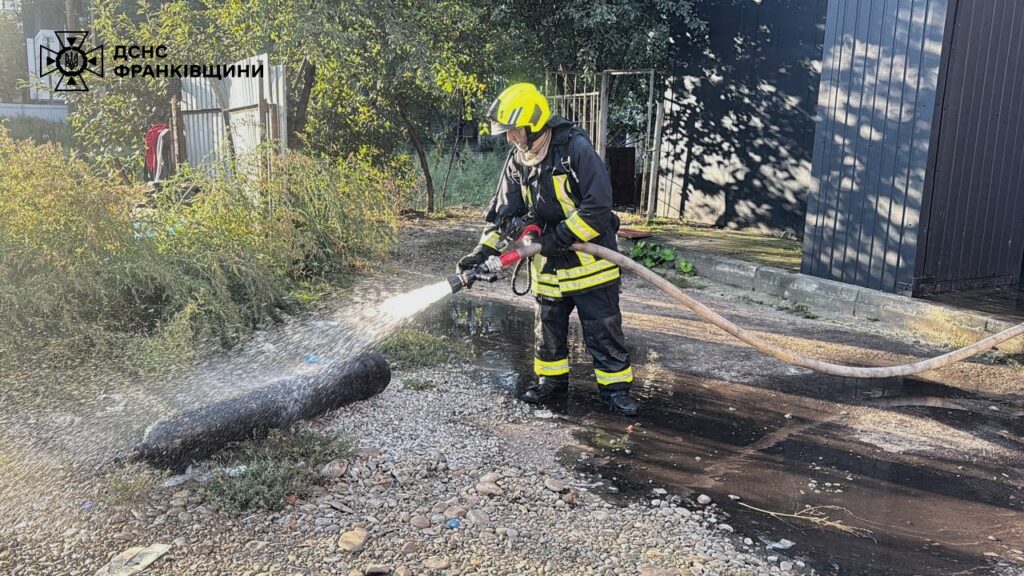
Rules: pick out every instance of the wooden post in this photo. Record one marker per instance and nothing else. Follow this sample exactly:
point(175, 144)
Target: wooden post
point(177, 134)
point(652, 193)
point(71, 13)
point(645, 171)
point(602, 121)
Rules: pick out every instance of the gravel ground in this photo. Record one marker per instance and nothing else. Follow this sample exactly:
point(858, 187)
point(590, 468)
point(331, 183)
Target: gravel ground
point(457, 452)
point(455, 479)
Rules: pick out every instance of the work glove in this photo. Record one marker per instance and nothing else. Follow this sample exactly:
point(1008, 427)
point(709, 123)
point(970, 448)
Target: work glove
point(553, 244)
point(475, 258)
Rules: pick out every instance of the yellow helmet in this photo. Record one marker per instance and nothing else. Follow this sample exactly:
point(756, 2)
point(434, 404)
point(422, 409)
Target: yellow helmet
point(520, 105)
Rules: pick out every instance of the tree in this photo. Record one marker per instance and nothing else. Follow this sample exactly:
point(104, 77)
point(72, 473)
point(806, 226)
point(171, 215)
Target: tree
point(590, 35)
point(372, 73)
point(13, 66)
point(401, 63)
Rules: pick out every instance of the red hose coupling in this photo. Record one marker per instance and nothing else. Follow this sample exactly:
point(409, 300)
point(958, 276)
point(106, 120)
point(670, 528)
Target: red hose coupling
point(509, 258)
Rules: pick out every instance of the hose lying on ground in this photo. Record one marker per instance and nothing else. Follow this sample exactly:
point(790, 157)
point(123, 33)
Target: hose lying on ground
point(773, 351)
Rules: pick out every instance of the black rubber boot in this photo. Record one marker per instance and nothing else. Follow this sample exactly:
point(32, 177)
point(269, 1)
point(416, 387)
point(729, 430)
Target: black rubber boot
point(619, 402)
point(546, 389)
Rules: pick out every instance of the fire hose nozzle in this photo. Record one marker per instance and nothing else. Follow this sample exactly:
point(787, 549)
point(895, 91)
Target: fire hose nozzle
point(488, 270)
point(457, 282)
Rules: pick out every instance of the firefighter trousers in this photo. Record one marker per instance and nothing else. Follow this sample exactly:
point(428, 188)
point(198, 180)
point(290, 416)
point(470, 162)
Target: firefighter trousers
point(601, 320)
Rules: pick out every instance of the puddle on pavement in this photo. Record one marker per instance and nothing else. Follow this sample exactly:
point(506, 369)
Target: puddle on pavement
point(933, 472)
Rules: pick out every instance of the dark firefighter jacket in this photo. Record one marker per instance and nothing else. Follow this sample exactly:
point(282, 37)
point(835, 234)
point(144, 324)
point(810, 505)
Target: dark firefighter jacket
point(569, 194)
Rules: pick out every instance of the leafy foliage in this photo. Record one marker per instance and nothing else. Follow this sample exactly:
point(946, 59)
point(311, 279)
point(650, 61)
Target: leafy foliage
point(13, 66)
point(685, 267)
point(88, 262)
point(384, 72)
point(591, 34)
point(653, 255)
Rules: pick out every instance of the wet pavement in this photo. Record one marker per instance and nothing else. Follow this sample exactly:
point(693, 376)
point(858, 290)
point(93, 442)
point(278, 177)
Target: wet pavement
point(916, 476)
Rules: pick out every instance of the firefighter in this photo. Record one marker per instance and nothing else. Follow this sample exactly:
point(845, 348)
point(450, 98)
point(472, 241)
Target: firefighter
point(554, 178)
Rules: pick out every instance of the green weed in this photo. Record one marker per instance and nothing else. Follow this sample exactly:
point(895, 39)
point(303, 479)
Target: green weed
point(685, 267)
point(282, 465)
point(651, 254)
point(418, 384)
point(801, 310)
point(411, 348)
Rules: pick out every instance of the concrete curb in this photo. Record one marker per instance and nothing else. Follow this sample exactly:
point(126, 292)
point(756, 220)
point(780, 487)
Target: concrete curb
point(953, 325)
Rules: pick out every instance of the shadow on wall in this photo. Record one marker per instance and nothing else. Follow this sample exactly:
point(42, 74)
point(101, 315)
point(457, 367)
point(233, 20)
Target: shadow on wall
point(739, 118)
point(878, 89)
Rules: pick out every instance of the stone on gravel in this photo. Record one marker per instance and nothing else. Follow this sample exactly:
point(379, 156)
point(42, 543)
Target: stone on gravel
point(477, 516)
point(489, 489)
point(436, 563)
point(703, 500)
point(353, 540)
point(420, 522)
point(411, 547)
point(403, 571)
point(554, 485)
point(334, 469)
point(490, 477)
point(786, 566)
point(376, 569)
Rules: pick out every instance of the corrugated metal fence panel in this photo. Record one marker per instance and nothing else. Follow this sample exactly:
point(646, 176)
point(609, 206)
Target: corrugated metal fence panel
point(975, 225)
point(205, 102)
point(41, 88)
point(739, 115)
point(51, 112)
point(205, 136)
point(880, 70)
point(278, 97)
point(244, 95)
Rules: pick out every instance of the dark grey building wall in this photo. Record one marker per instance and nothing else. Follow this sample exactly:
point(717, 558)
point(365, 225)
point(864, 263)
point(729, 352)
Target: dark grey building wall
point(880, 69)
point(739, 117)
point(973, 221)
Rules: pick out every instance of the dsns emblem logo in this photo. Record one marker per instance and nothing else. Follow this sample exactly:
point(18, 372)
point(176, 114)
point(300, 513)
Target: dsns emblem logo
point(71, 61)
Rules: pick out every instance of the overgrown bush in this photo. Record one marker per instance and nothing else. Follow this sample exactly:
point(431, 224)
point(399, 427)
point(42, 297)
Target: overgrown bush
point(88, 264)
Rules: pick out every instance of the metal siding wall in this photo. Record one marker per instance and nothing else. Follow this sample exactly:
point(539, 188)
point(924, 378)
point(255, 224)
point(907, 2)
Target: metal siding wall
point(880, 70)
point(976, 217)
point(739, 116)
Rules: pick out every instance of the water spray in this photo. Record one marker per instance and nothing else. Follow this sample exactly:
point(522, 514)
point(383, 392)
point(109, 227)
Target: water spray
point(493, 265)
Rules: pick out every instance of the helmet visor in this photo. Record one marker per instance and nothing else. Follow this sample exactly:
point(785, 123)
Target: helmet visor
point(498, 128)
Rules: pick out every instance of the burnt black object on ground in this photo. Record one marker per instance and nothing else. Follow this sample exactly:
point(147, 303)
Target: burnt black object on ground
point(177, 440)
